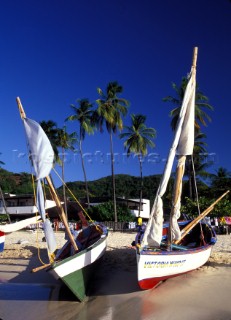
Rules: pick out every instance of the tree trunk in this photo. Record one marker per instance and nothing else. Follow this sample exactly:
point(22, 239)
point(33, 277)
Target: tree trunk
point(4, 204)
point(64, 188)
point(84, 173)
point(113, 177)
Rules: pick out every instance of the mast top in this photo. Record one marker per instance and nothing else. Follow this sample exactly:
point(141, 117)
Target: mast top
point(194, 59)
point(20, 107)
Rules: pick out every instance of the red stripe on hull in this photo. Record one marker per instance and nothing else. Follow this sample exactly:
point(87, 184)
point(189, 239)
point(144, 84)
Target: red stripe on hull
point(151, 283)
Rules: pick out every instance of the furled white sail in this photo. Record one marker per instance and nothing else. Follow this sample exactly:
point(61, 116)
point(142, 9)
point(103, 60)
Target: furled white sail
point(184, 148)
point(183, 145)
point(42, 157)
point(48, 231)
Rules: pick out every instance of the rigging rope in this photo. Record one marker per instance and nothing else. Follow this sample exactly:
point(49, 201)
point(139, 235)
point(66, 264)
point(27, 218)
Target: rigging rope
point(50, 255)
point(197, 198)
point(76, 200)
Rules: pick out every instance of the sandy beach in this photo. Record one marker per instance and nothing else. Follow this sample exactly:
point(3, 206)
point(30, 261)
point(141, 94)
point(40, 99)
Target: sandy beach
point(201, 294)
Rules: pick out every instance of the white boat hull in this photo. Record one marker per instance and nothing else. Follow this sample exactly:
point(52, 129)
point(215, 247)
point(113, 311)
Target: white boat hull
point(154, 267)
point(76, 271)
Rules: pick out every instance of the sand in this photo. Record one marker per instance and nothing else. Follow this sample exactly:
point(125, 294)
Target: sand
point(201, 294)
point(30, 245)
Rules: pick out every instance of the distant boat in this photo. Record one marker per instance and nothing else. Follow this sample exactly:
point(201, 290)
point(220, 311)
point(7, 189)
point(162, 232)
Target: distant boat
point(2, 240)
point(74, 263)
point(6, 228)
point(15, 226)
point(174, 248)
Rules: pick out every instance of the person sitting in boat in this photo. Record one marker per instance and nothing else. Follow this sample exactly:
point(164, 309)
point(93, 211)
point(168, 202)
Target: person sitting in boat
point(139, 235)
point(73, 232)
point(139, 223)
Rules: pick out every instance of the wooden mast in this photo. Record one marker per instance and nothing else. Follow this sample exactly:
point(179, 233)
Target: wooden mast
point(61, 212)
point(181, 164)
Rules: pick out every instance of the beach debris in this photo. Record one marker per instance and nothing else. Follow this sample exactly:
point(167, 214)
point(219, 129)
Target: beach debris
point(21, 241)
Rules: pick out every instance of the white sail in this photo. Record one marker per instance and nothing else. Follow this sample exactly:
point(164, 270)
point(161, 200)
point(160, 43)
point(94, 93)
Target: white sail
point(41, 152)
point(182, 144)
point(42, 157)
point(185, 147)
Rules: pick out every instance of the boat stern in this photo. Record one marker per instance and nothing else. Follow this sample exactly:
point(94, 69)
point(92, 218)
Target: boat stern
point(2, 241)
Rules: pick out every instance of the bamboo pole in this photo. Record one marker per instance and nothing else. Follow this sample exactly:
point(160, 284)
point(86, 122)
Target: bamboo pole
point(52, 189)
point(192, 224)
point(61, 212)
point(41, 267)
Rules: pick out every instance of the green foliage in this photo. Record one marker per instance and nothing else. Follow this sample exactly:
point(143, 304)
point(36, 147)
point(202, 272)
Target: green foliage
point(3, 218)
point(221, 209)
point(126, 185)
point(129, 187)
point(15, 183)
point(138, 137)
point(104, 212)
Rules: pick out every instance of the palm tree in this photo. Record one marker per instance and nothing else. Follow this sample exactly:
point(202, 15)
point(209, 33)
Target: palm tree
point(138, 140)
point(66, 142)
point(2, 197)
point(221, 181)
point(201, 101)
point(1, 162)
point(59, 138)
point(110, 110)
point(198, 163)
point(51, 130)
point(83, 114)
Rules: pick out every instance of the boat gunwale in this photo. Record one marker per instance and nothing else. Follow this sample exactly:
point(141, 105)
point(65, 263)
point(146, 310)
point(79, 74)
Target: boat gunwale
point(78, 254)
point(175, 252)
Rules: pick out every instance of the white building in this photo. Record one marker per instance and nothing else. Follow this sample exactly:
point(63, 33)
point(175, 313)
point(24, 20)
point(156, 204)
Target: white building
point(20, 205)
point(132, 204)
point(144, 210)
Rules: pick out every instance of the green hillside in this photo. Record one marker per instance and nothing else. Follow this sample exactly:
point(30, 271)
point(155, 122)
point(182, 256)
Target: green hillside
point(126, 186)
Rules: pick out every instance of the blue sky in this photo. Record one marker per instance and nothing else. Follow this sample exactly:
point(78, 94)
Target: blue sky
point(55, 52)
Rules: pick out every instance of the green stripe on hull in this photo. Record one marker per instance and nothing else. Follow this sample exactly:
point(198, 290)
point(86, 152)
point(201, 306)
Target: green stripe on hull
point(78, 281)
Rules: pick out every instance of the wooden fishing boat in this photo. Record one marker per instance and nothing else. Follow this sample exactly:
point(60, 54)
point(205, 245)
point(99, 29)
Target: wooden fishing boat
point(74, 263)
point(158, 264)
point(168, 250)
point(76, 270)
